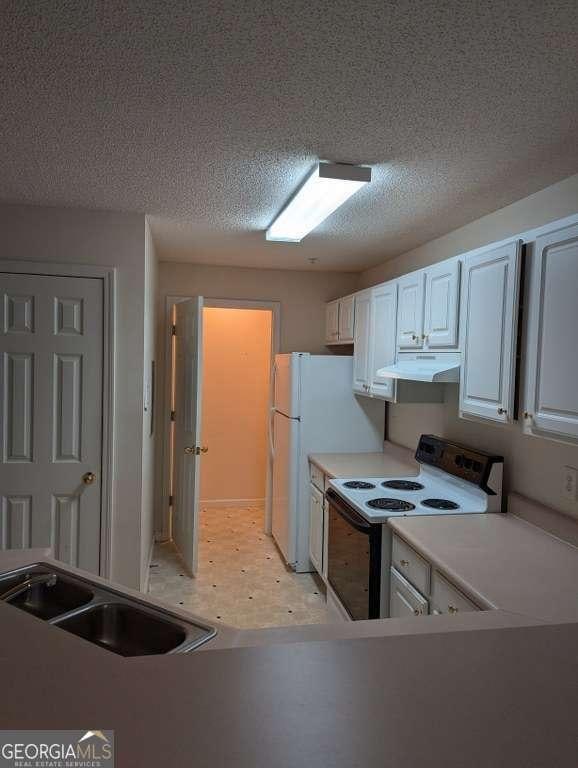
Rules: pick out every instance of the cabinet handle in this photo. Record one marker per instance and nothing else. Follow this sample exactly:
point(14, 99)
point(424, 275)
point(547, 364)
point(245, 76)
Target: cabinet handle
point(414, 337)
point(404, 563)
point(452, 609)
point(527, 415)
point(424, 337)
point(502, 411)
point(417, 611)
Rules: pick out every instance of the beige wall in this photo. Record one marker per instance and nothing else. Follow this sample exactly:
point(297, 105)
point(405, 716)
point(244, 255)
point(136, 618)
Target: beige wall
point(78, 236)
point(533, 466)
point(549, 204)
point(236, 366)
point(302, 295)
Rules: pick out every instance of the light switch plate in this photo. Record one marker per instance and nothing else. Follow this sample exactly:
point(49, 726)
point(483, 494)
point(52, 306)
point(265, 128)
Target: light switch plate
point(569, 485)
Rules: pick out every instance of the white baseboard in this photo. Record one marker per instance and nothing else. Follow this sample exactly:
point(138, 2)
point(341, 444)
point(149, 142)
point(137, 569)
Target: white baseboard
point(226, 503)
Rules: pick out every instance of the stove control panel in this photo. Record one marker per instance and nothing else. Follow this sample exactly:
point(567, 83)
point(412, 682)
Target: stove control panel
point(458, 460)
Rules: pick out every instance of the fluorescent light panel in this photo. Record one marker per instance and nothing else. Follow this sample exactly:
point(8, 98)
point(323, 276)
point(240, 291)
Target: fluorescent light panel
point(328, 187)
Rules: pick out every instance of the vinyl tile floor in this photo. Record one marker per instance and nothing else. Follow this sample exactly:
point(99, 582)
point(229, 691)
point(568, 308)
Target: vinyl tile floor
point(241, 577)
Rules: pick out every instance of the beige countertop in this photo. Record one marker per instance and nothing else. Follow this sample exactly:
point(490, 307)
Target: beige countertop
point(365, 693)
point(394, 461)
point(500, 560)
point(490, 697)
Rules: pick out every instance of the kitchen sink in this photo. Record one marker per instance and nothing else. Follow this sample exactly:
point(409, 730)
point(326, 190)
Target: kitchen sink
point(46, 601)
point(125, 630)
point(100, 614)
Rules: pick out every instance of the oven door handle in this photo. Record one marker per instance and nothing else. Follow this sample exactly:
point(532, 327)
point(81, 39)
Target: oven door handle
point(348, 514)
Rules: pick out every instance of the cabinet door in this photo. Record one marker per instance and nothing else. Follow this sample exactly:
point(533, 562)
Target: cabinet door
point(551, 398)
point(361, 342)
point(441, 305)
point(445, 598)
point(316, 528)
point(489, 321)
point(410, 310)
point(404, 600)
point(346, 318)
point(332, 322)
point(382, 338)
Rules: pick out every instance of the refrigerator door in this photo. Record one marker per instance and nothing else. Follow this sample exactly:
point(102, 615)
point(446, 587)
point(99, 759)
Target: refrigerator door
point(287, 383)
point(285, 485)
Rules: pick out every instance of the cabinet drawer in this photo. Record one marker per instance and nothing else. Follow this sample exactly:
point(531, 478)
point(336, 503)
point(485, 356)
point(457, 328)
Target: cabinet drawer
point(404, 600)
point(411, 565)
point(448, 599)
point(317, 477)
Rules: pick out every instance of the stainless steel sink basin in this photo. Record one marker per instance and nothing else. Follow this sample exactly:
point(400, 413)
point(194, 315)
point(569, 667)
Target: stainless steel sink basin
point(99, 614)
point(125, 630)
point(46, 601)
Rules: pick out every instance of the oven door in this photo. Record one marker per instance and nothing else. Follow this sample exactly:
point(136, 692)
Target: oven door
point(354, 559)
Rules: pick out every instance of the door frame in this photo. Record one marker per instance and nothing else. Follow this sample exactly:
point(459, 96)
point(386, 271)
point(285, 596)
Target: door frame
point(163, 532)
point(108, 277)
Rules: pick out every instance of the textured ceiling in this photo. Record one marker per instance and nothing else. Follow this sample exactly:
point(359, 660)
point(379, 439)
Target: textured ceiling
point(207, 115)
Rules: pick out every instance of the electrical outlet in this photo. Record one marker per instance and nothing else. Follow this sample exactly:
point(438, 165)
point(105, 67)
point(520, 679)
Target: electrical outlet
point(569, 485)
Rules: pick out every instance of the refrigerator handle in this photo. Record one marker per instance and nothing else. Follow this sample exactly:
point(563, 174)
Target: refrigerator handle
point(272, 432)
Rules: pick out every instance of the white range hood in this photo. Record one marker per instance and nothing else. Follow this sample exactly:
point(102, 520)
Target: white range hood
point(443, 368)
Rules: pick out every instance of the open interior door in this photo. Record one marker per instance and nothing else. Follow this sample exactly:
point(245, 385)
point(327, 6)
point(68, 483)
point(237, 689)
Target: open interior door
point(187, 447)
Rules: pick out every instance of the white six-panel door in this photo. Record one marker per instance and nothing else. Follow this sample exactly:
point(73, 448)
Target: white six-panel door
point(51, 369)
point(410, 310)
point(551, 397)
point(489, 331)
point(442, 289)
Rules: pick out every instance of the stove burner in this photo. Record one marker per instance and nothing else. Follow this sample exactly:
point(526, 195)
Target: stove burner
point(403, 485)
point(440, 504)
point(394, 505)
point(359, 485)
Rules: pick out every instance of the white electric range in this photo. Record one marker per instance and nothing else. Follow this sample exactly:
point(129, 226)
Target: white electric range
point(453, 480)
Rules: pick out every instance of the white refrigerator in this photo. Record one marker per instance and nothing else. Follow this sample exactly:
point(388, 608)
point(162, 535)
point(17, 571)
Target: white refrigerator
point(314, 411)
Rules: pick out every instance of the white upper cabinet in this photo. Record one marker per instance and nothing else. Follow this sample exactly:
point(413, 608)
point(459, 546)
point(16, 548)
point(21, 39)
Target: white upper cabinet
point(551, 395)
point(340, 320)
point(440, 323)
point(332, 322)
point(361, 350)
point(428, 308)
point(382, 338)
point(346, 319)
point(489, 319)
point(411, 290)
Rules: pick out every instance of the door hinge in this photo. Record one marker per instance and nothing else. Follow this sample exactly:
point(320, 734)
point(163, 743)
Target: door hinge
point(173, 415)
point(173, 330)
point(171, 499)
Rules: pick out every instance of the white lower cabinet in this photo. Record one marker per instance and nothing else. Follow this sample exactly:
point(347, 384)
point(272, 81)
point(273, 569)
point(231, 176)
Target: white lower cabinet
point(489, 321)
point(404, 600)
point(417, 589)
point(316, 528)
point(445, 598)
point(551, 396)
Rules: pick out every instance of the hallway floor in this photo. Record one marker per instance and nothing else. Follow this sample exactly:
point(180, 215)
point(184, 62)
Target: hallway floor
point(241, 580)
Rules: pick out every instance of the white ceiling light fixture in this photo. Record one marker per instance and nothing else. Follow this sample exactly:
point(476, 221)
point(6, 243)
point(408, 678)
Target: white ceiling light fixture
point(325, 189)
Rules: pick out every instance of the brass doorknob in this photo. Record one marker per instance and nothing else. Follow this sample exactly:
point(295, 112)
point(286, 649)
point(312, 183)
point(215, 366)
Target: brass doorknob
point(204, 449)
point(88, 478)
